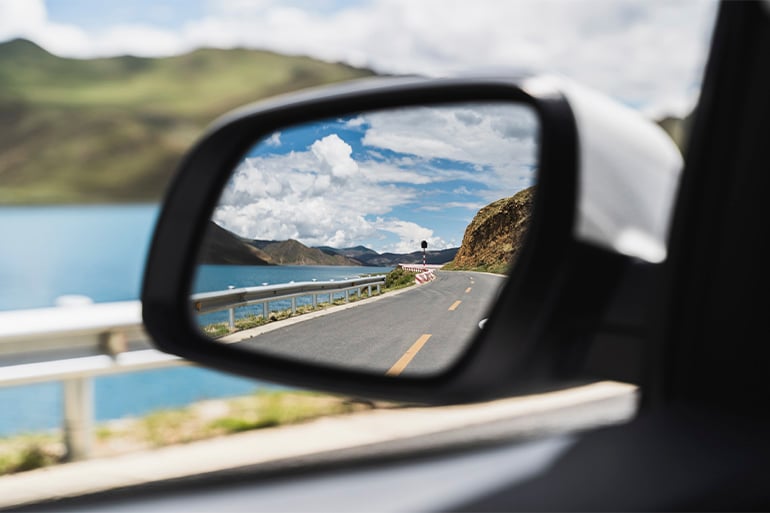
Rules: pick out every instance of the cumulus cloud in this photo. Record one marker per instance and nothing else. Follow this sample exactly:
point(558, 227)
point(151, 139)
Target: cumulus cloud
point(20, 18)
point(648, 54)
point(410, 235)
point(333, 155)
point(340, 192)
point(29, 19)
point(274, 140)
point(318, 196)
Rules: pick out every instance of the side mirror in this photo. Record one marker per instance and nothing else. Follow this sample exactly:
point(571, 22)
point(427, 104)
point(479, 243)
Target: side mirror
point(291, 226)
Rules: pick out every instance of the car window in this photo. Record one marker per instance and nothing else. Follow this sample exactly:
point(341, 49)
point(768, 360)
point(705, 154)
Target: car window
point(98, 102)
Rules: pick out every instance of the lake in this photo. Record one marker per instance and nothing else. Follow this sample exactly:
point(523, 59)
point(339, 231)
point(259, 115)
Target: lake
point(99, 252)
point(220, 277)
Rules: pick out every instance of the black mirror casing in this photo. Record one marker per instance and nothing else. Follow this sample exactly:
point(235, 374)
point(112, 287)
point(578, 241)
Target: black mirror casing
point(528, 342)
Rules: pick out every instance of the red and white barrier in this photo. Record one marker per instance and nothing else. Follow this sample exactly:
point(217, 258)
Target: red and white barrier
point(418, 268)
point(426, 272)
point(425, 277)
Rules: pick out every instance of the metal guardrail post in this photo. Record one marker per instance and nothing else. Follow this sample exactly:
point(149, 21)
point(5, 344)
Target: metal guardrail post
point(293, 305)
point(231, 311)
point(78, 417)
point(72, 346)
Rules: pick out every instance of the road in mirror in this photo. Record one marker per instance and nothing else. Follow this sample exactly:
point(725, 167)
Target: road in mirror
point(373, 242)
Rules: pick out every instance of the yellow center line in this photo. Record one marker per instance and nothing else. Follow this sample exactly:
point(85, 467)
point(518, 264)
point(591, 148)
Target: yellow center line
point(455, 305)
point(467, 290)
point(402, 362)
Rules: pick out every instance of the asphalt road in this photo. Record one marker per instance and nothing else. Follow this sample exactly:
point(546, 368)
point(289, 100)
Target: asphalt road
point(420, 331)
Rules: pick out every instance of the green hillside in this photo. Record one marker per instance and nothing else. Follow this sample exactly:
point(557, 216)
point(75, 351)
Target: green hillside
point(292, 252)
point(112, 130)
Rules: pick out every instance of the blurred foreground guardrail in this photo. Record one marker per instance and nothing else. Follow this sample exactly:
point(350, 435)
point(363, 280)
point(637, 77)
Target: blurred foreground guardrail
point(208, 302)
point(73, 345)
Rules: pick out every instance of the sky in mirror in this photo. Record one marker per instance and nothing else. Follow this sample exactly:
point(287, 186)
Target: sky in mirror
point(386, 180)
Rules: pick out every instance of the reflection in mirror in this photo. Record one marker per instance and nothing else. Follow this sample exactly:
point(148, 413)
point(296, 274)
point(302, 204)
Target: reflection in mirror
point(374, 242)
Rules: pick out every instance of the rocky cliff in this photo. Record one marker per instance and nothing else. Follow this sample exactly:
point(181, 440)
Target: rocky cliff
point(496, 234)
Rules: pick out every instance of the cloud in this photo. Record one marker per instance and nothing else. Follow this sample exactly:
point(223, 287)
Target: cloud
point(486, 133)
point(410, 236)
point(20, 18)
point(647, 54)
point(474, 207)
point(348, 187)
point(274, 140)
point(319, 196)
point(29, 19)
point(333, 155)
point(501, 138)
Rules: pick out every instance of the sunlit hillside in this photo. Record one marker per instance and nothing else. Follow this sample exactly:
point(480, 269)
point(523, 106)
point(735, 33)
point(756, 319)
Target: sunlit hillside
point(112, 130)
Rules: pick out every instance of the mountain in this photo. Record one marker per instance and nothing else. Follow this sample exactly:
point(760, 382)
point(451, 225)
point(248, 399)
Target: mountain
point(357, 252)
point(496, 234)
point(221, 246)
point(292, 252)
point(114, 129)
point(431, 257)
point(371, 258)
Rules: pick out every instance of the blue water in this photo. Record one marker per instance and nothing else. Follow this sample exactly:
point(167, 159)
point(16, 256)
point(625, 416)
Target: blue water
point(99, 252)
point(220, 277)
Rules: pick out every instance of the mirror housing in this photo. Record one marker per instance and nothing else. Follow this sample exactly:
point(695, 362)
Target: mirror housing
point(535, 336)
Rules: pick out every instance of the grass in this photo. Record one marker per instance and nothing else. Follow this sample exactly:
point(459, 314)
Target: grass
point(399, 278)
point(199, 421)
point(113, 130)
point(497, 268)
point(29, 451)
point(277, 408)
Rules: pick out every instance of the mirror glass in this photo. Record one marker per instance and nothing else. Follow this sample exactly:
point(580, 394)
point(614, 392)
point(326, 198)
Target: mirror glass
point(372, 242)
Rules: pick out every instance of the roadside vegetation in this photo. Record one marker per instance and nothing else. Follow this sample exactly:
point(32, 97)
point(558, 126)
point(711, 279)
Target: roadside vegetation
point(496, 268)
point(199, 421)
point(29, 451)
point(394, 280)
point(399, 278)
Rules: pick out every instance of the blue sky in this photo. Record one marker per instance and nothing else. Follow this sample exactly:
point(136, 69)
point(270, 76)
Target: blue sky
point(169, 14)
point(385, 180)
point(648, 54)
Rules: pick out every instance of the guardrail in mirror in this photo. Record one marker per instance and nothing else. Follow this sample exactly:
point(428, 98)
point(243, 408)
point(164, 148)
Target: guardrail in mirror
point(208, 302)
point(445, 188)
